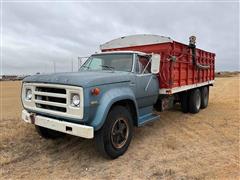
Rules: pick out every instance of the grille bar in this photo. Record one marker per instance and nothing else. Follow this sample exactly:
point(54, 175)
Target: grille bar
point(50, 103)
point(51, 108)
point(50, 94)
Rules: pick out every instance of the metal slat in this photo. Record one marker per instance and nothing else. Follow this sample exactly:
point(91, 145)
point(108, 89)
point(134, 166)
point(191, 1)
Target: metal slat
point(50, 103)
point(50, 94)
point(51, 111)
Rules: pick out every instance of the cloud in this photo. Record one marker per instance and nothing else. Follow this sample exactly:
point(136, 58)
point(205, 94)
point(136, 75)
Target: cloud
point(37, 34)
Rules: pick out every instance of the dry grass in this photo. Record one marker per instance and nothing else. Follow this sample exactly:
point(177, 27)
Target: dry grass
point(227, 74)
point(178, 146)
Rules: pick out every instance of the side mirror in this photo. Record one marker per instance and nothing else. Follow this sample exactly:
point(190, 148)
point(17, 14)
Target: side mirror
point(155, 63)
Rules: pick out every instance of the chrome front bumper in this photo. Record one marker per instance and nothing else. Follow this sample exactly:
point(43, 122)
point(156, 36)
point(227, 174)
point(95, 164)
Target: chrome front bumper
point(57, 125)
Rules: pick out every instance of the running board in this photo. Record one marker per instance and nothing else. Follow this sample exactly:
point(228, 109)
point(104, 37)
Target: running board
point(147, 118)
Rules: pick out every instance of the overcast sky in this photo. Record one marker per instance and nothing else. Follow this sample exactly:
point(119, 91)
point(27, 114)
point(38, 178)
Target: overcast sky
point(36, 34)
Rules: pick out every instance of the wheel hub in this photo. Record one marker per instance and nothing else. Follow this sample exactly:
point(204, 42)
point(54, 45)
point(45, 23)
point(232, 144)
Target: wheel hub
point(119, 133)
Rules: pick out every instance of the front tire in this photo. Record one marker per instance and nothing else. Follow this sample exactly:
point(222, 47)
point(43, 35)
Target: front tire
point(48, 133)
point(114, 137)
point(194, 101)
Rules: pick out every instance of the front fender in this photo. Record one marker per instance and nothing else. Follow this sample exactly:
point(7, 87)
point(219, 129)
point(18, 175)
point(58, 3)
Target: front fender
point(108, 99)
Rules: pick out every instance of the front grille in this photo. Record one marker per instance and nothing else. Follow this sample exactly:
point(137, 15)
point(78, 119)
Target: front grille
point(51, 98)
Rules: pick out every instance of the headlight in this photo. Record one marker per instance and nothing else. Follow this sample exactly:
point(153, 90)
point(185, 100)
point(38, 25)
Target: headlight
point(28, 94)
point(75, 100)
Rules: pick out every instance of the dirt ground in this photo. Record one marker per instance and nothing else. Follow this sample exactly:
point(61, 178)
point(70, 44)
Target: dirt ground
point(178, 146)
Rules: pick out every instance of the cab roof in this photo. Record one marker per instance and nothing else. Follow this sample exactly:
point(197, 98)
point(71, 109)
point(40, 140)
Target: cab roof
point(122, 52)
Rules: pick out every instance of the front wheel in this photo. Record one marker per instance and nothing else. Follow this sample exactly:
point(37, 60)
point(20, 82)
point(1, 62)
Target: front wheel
point(114, 137)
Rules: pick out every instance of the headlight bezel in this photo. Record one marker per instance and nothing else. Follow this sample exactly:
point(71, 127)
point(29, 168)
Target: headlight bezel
point(75, 100)
point(28, 94)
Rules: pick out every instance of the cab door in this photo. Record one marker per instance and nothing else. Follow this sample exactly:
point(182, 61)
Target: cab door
point(147, 87)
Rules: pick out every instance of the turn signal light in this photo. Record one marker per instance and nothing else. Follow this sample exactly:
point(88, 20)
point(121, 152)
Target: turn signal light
point(95, 91)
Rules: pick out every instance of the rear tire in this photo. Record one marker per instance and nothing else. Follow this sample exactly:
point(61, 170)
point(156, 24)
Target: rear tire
point(48, 133)
point(194, 101)
point(113, 139)
point(184, 102)
point(204, 97)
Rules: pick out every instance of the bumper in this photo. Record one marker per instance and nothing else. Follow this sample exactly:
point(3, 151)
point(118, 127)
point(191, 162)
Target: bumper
point(57, 125)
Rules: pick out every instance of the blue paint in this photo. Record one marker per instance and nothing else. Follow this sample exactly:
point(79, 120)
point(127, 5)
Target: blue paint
point(81, 78)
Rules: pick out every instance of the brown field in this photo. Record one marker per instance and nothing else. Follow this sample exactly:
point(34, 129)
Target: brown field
point(178, 146)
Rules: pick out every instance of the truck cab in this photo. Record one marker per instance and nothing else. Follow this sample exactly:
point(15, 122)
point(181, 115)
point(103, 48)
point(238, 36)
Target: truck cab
point(111, 93)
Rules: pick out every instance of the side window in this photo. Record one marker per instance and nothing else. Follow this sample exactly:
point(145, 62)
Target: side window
point(142, 63)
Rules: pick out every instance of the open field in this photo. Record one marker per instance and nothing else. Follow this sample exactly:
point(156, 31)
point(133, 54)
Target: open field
point(226, 74)
point(178, 146)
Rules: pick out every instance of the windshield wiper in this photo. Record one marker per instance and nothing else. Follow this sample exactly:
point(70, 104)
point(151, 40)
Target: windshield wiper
point(108, 67)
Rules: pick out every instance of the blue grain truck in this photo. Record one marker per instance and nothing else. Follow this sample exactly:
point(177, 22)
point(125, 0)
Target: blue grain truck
point(112, 92)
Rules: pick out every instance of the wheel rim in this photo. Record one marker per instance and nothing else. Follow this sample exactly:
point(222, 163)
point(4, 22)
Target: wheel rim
point(119, 133)
point(198, 101)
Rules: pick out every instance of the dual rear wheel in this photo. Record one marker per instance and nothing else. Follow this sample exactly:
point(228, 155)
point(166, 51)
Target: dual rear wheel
point(194, 100)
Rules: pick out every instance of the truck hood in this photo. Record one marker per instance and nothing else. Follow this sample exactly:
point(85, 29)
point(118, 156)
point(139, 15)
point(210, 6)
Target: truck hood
point(83, 78)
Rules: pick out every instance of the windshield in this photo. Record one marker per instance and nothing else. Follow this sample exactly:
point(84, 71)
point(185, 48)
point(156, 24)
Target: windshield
point(113, 62)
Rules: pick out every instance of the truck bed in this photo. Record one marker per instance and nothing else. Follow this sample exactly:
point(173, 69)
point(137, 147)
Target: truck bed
point(177, 70)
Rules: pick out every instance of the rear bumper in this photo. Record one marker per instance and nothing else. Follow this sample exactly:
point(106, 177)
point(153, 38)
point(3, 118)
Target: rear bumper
point(57, 125)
